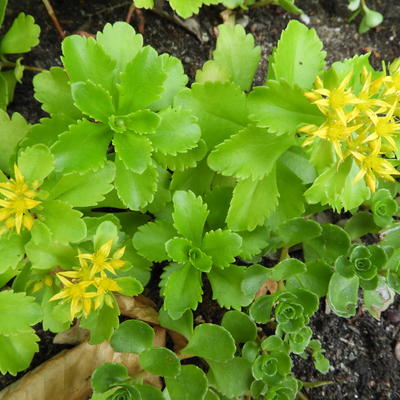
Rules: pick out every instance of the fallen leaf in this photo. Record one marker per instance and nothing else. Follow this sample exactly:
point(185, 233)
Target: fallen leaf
point(74, 335)
point(67, 375)
point(138, 307)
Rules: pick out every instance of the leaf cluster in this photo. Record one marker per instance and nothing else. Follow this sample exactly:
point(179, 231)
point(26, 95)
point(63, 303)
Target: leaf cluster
point(133, 171)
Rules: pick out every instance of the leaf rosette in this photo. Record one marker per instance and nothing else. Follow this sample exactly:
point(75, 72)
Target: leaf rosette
point(117, 97)
point(271, 368)
point(383, 207)
point(363, 262)
point(294, 309)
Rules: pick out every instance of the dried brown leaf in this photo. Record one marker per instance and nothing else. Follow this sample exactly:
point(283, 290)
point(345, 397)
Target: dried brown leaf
point(67, 375)
point(138, 307)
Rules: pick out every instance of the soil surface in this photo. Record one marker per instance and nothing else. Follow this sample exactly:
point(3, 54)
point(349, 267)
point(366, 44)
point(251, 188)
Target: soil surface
point(361, 350)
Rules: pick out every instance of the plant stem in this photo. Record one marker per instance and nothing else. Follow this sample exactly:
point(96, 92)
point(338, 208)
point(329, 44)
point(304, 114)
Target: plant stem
point(301, 396)
point(27, 67)
point(54, 18)
point(316, 384)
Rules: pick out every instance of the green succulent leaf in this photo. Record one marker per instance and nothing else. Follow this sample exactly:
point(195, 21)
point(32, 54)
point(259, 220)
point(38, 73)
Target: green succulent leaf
point(186, 8)
point(190, 214)
point(286, 269)
point(101, 323)
point(11, 250)
point(108, 375)
point(84, 190)
point(134, 151)
point(178, 249)
point(378, 300)
point(93, 142)
point(120, 42)
point(332, 243)
point(132, 336)
point(177, 132)
point(44, 253)
point(240, 326)
point(227, 287)
point(236, 52)
point(250, 154)
point(297, 230)
point(141, 82)
point(135, 190)
point(315, 279)
point(182, 325)
point(160, 361)
point(212, 342)
point(63, 222)
point(182, 291)
point(190, 384)
point(21, 37)
point(231, 378)
point(282, 107)
point(17, 338)
point(17, 351)
point(336, 187)
point(85, 60)
point(360, 224)
point(144, 3)
point(220, 108)
point(252, 202)
point(299, 57)
point(176, 80)
point(253, 242)
point(12, 130)
point(261, 308)
point(93, 100)
point(343, 295)
point(150, 239)
point(129, 286)
point(36, 163)
point(18, 312)
point(53, 90)
point(47, 131)
point(255, 276)
point(222, 246)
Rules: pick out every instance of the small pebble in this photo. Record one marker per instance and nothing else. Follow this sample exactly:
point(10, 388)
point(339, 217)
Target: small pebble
point(397, 351)
point(305, 18)
point(393, 316)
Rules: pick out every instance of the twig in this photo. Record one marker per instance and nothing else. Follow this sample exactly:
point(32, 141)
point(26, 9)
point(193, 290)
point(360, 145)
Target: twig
point(27, 67)
point(139, 16)
point(54, 18)
point(302, 396)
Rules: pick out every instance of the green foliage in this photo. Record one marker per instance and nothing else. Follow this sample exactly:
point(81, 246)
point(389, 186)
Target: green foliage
point(370, 18)
point(216, 185)
point(186, 8)
point(21, 37)
point(18, 340)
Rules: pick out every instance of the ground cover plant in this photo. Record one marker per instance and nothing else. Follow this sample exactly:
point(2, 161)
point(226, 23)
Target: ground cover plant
point(19, 38)
point(194, 182)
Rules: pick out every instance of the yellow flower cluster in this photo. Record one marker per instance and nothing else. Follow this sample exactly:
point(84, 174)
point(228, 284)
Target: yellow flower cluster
point(89, 287)
point(16, 201)
point(364, 126)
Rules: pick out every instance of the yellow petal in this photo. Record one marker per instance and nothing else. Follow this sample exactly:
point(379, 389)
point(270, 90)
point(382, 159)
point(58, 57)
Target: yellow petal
point(119, 253)
point(105, 249)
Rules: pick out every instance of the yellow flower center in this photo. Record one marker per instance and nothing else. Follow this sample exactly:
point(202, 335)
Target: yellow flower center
point(16, 201)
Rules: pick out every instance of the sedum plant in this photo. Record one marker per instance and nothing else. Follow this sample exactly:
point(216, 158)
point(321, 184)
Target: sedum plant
point(186, 8)
point(134, 173)
point(370, 18)
point(20, 38)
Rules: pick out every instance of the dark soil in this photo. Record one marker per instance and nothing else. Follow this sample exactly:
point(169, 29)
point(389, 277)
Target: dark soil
point(361, 350)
